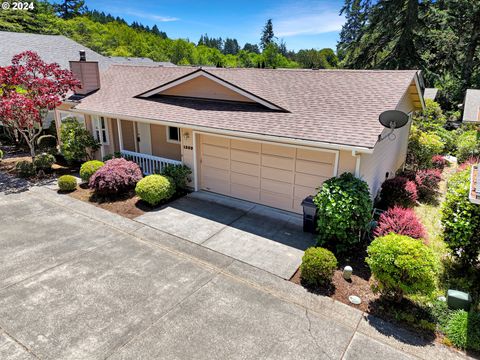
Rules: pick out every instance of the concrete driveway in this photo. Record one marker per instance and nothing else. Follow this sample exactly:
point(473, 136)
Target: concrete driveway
point(270, 239)
point(78, 282)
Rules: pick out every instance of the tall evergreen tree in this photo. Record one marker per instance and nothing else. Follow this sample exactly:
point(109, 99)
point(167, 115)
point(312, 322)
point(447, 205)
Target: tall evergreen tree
point(231, 46)
point(355, 12)
point(267, 34)
point(68, 9)
point(251, 48)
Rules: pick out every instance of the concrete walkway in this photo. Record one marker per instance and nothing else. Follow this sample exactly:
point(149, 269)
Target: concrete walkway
point(78, 282)
point(270, 239)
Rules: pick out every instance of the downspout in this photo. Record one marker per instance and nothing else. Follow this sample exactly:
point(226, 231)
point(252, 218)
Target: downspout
point(357, 162)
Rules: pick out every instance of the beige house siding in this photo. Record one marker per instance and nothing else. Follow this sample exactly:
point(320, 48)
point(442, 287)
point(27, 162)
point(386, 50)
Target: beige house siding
point(202, 87)
point(115, 138)
point(388, 156)
point(128, 132)
point(187, 156)
point(161, 147)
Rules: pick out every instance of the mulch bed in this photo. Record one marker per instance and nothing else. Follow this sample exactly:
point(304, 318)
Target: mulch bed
point(128, 205)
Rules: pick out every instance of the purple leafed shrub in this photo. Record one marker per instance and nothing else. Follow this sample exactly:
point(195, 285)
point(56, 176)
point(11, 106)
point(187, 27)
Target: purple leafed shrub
point(400, 221)
point(427, 183)
point(468, 163)
point(398, 191)
point(439, 162)
point(115, 177)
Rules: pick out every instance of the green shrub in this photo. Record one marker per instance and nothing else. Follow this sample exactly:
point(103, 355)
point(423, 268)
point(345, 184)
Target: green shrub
point(44, 162)
point(154, 189)
point(67, 183)
point(344, 211)
point(46, 142)
point(468, 145)
point(401, 265)
point(461, 219)
point(179, 175)
point(25, 169)
point(1, 154)
point(77, 143)
point(115, 155)
point(422, 146)
point(431, 118)
point(318, 266)
point(89, 168)
point(463, 330)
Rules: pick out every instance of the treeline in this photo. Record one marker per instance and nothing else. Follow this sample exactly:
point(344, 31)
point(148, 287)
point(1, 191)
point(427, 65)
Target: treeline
point(113, 36)
point(440, 37)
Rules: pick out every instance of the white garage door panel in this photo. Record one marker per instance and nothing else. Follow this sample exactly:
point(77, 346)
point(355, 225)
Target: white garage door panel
point(245, 156)
point(277, 162)
point(270, 174)
point(217, 151)
point(310, 167)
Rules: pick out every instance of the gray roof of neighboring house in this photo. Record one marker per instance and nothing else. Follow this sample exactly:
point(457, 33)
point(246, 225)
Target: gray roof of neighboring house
point(332, 106)
point(59, 49)
point(471, 106)
point(430, 93)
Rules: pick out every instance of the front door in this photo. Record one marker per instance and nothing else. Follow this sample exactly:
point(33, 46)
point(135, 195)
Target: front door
point(144, 138)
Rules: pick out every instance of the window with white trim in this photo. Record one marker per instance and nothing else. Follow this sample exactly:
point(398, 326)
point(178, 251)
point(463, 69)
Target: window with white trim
point(173, 134)
point(67, 114)
point(100, 131)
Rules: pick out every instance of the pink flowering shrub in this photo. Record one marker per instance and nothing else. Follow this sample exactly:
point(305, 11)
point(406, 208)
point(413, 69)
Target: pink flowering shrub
point(115, 177)
point(398, 191)
point(400, 221)
point(439, 162)
point(468, 163)
point(427, 183)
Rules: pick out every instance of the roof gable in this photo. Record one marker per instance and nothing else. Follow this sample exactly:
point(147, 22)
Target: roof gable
point(204, 85)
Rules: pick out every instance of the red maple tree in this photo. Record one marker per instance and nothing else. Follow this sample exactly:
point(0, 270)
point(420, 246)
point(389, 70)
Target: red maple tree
point(29, 88)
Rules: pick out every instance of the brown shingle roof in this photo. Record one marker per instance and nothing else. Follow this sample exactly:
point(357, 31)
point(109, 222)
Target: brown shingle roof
point(333, 106)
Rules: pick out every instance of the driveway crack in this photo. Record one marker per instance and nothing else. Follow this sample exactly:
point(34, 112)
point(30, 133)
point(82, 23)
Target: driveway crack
point(19, 343)
point(309, 329)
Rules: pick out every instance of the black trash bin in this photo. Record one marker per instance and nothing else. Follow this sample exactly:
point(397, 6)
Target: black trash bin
point(309, 215)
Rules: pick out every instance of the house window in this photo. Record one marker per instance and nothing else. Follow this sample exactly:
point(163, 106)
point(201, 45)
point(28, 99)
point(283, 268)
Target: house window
point(67, 114)
point(173, 134)
point(100, 129)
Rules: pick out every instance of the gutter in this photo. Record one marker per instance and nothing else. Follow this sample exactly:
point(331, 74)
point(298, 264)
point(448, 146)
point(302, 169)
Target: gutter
point(270, 138)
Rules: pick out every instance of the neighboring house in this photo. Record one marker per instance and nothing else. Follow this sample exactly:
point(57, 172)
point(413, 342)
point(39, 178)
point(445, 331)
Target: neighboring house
point(471, 106)
point(267, 136)
point(59, 49)
point(430, 93)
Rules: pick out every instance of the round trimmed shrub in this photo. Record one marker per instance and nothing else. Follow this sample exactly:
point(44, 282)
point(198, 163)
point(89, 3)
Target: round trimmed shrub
point(400, 266)
point(154, 189)
point(25, 168)
point(89, 168)
point(427, 182)
point(461, 219)
point(116, 176)
point(179, 175)
point(318, 266)
point(67, 183)
point(400, 221)
point(344, 211)
point(44, 162)
point(463, 330)
point(398, 191)
point(439, 162)
point(46, 142)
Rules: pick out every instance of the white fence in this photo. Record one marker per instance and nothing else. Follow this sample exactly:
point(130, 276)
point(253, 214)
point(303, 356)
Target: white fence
point(148, 163)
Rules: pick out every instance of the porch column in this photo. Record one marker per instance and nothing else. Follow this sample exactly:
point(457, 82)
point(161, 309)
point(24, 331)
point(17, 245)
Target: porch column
point(120, 134)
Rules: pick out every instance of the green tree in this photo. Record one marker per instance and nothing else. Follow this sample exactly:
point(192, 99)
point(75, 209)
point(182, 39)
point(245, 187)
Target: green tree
point(70, 8)
point(267, 34)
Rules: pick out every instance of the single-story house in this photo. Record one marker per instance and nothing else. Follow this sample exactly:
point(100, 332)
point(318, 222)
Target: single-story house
point(267, 136)
point(471, 106)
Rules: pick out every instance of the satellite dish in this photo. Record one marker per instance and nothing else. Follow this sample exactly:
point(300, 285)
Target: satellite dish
point(392, 119)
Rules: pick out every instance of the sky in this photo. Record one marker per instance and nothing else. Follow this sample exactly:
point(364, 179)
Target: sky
point(301, 24)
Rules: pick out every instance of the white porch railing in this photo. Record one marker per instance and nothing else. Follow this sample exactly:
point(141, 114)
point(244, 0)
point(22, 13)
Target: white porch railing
point(148, 163)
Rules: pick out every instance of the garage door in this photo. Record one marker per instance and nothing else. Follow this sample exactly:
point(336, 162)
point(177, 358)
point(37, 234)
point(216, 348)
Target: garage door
point(269, 174)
